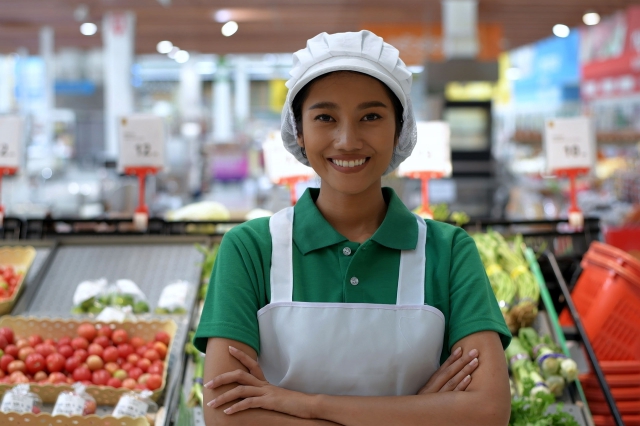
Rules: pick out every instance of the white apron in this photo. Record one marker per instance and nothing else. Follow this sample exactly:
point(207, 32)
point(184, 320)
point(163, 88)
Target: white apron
point(348, 348)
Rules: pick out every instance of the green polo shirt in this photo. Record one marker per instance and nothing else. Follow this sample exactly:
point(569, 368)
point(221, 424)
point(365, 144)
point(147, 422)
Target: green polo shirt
point(455, 280)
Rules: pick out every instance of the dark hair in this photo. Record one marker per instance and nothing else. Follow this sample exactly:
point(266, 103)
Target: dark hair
point(301, 96)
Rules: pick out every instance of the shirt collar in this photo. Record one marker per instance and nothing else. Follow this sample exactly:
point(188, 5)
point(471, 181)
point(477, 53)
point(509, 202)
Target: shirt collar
point(311, 231)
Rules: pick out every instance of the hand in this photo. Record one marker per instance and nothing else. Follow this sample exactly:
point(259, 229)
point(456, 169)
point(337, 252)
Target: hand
point(454, 374)
point(255, 392)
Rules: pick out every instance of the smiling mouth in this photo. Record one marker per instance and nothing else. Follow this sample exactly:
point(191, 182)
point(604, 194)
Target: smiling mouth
point(349, 163)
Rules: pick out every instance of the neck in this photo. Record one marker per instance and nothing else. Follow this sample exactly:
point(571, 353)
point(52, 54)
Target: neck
point(356, 216)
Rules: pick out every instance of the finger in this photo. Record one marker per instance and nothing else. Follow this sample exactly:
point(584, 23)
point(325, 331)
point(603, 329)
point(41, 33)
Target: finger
point(247, 361)
point(237, 376)
point(245, 404)
point(239, 392)
point(455, 355)
point(463, 384)
point(448, 372)
point(453, 383)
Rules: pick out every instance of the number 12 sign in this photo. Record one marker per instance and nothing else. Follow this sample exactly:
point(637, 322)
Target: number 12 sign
point(569, 144)
point(142, 142)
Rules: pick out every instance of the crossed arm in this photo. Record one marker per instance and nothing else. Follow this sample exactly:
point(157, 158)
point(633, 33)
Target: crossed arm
point(241, 396)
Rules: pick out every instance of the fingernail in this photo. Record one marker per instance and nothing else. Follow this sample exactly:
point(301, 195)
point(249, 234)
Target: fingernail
point(468, 378)
point(208, 384)
point(210, 403)
point(473, 353)
point(227, 410)
point(474, 362)
point(232, 349)
point(457, 352)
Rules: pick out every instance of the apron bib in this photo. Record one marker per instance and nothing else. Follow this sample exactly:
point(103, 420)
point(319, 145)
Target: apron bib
point(348, 348)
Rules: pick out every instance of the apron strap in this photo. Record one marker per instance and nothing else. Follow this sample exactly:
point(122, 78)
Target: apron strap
point(412, 270)
point(281, 228)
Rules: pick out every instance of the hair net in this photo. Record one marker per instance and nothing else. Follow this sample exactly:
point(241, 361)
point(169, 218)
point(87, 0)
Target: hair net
point(363, 52)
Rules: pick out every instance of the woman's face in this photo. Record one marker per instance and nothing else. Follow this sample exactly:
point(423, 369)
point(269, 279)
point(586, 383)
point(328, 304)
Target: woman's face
point(348, 124)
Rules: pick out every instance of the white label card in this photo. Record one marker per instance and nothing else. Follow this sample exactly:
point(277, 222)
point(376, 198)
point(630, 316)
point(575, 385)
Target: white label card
point(432, 152)
point(12, 403)
point(142, 141)
point(569, 143)
point(11, 140)
point(281, 164)
point(129, 406)
point(69, 405)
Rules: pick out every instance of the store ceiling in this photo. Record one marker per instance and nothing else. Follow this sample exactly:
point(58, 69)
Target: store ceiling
point(273, 25)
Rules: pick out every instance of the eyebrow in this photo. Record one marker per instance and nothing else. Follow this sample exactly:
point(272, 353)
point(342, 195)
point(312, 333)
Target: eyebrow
point(332, 105)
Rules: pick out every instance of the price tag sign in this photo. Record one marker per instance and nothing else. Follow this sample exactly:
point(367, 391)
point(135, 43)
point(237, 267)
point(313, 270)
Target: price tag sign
point(432, 152)
point(11, 137)
point(142, 141)
point(280, 164)
point(569, 143)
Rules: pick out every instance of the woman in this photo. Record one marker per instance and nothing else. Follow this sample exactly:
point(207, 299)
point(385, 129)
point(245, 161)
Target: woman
point(361, 313)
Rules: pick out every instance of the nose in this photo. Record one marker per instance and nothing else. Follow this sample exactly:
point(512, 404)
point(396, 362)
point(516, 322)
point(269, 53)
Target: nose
point(347, 138)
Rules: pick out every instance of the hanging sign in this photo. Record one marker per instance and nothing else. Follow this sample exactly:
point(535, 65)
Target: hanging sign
point(280, 164)
point(142, 142)
point(569, 144)
point(11, 137)
point(432, 153)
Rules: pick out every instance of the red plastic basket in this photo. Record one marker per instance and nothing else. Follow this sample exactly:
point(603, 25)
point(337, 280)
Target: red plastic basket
point(631, 420)
point(607, 297)
point(626, 238)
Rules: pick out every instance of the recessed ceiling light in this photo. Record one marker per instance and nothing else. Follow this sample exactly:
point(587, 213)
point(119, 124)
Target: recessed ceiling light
point(182, 56)
point(591, 18)
point(561, 30)
point(222, 15)
point(229, 28)
point(164, 47)
point(88, 28)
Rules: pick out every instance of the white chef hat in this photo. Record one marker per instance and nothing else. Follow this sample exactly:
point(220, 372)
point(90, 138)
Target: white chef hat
point(363, 52)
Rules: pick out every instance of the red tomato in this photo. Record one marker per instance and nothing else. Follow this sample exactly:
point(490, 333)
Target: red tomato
point(162, 336)
point(102, 341)
point(129, 383)
point(35, 410)
point(155, 369)
point(114, 383)
point(35, 362)
point(22, 343)
point(134, 373)
point(66, 351)
point(152, 355)
point(57, 377)
point(49, 341)
point(106, 331)
point(111, 367)
point(90, 407)
point(95, 349)
point(7, 333)
point(16, 366)
point(94, 362)
point(3, 342)
point(81, 374)
point(141, 350)
point(126, 366)
point(5, 360)
point(88, 331)
point(154, 381)
point(25, 352)
point(100, 377)
point(136, 342)
point(64, 341)
point(40, 376)
point(12, 350)
point(143, 379)
point(120, 374)
point(81, 354)
point(111, 354)
point(133, 358)
point(35, 340)
point(79, 343)
point(143, 364)
point(119, 336)
point(45, 349)
point(71, 364)
point(161, 348)
point(125, 350)
point(18, 377)
point(55, 363)
point(140, 386)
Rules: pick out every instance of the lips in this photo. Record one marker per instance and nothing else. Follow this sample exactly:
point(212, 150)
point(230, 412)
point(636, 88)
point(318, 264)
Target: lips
point(349, 165)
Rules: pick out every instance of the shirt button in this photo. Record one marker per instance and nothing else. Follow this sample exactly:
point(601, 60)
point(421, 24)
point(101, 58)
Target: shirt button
point(346, 251)
point(354, 281)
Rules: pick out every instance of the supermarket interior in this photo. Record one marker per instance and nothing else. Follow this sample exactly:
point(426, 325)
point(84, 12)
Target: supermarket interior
point(134, 134)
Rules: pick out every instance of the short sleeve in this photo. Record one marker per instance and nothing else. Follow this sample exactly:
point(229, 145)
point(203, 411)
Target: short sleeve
point(236, 289)
point(473, 306)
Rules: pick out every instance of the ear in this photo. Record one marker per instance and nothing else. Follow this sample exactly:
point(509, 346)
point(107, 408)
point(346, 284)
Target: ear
point(300, 141)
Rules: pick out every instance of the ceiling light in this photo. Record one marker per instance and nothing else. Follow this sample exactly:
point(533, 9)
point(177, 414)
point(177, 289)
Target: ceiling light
point(229, 28)
point(164, 47)
point(560, 30)
point(172, 53)
point(222, 15)
point(513, 73)
point(591, 18)
point(88, 28)
point(182, 56)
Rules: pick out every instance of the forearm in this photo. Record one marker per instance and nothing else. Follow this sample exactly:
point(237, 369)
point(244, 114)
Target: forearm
point(445, 408)
point(258, 416)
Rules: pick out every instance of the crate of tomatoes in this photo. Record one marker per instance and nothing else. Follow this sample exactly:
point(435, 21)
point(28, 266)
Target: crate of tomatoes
point(110, 358)
point(14, 264)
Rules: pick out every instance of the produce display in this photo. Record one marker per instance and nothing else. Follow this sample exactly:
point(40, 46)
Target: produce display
point(21, 400)
point(92, 297)
point(173, 299)
point(75, 403)
point(10, 278)
point(512, 281)
point(135, 404)
point(441, 213)
point(210, 255)
point(93, 356)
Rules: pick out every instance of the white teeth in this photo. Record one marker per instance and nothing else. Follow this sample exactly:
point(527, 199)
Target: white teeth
point(352, 163)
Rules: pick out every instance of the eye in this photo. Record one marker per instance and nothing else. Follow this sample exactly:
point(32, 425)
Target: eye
point(324, 117)
point(371, 117)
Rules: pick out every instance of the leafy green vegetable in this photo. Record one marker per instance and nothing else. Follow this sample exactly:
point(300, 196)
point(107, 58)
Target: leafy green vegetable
point(207, 266)
point(533, 412)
